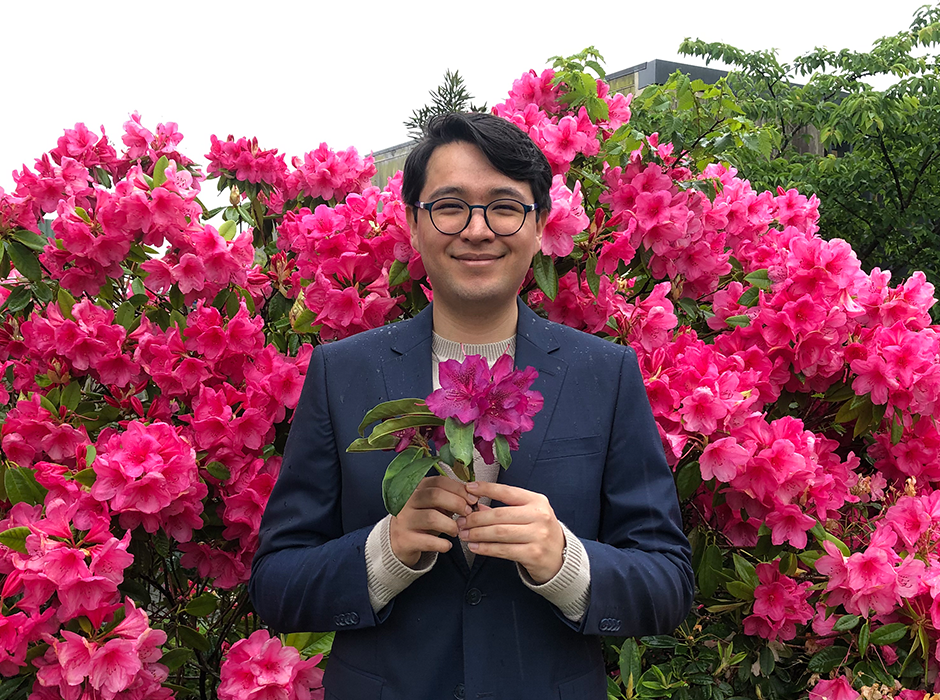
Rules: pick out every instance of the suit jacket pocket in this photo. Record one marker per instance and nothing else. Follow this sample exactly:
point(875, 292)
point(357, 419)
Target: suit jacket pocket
point(343, 682)
point(560, 448)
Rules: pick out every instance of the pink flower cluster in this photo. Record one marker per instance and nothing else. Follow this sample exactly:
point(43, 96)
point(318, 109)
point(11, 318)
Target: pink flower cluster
point(648, 210)
point(87, 343)
point(497, 400)
point(344, 254)
point(898, 564)
point(143, 145)
point(328, 175)
point(148, 474)
point(244, 161)
point(779, 605)
point(122, 664)
point(260, 667)
point(566, 219)
point(91, 241)
point(72, 561)
point(204, 264)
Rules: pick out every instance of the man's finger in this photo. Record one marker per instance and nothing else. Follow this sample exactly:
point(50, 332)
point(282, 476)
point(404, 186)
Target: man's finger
point(510, 495)
point(507, 534)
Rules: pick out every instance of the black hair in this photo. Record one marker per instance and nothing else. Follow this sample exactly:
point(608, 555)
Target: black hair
point(507, 147)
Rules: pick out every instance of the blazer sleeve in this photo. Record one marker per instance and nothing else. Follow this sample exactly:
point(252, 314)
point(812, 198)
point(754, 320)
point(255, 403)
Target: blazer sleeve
point(641, 571)
point(308, 574)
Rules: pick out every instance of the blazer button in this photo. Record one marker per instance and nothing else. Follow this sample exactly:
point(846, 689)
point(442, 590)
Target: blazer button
point(474, 596)
point(459, 692)
point(609, 624)
point(354, 619)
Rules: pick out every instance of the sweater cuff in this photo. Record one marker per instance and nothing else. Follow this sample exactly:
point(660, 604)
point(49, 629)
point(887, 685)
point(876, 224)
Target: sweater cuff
point(387, 575)
point(570, 589)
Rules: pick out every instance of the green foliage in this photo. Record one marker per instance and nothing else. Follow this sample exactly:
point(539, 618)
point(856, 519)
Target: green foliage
point(871, 156)
point(450, 96)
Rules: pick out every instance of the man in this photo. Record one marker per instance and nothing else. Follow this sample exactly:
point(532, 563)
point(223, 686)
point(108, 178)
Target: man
point(582, 537)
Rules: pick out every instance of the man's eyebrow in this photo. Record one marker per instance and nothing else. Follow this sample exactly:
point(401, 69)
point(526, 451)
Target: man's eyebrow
point(445, 191)
point(449, 190)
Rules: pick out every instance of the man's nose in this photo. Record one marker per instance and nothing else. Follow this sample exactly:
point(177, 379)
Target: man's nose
point(477, 229)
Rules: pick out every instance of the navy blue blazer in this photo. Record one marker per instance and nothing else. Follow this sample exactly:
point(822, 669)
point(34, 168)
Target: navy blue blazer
point(474, 632)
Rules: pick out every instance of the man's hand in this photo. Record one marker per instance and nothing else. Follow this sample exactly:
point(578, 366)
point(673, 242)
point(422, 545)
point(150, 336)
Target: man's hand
point(428, 514)
point(525, 530)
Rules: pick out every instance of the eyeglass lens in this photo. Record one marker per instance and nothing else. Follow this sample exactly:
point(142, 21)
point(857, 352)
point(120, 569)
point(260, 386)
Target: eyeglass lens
point(504, 216)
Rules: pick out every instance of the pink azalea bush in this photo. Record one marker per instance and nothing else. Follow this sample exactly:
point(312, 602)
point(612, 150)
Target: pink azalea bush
point(150, 361)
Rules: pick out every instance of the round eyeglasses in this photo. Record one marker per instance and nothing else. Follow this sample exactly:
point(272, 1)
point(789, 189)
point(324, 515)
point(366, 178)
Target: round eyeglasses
point(451, 215)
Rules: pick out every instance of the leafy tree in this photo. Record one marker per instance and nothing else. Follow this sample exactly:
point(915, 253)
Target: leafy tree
point(817, 124)
point(451, 96)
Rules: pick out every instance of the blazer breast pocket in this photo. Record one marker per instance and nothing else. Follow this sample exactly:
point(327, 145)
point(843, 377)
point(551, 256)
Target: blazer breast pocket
point(562, 448)
point(569, 472)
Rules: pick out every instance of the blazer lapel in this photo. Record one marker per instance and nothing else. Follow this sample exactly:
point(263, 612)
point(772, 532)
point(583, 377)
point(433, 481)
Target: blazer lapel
point(408, 369)
point(535, 344)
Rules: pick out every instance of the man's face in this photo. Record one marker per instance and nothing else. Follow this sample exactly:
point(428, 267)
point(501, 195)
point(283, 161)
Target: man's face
point(476, 268)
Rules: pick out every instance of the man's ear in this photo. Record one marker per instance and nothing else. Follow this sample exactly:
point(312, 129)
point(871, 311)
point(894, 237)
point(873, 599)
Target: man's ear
point(539, 226)
point(412, 225)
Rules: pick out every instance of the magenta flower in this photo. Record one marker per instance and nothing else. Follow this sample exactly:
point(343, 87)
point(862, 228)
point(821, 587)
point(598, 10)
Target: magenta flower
point(463, 385)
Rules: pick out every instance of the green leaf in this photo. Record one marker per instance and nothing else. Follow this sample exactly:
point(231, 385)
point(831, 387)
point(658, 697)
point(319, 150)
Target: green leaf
point(159, 172)
point(18, 300)
point(822, 535)
point(136, 590)
point(202, 605)
point(71, 395)
point(175, 658)
point(630, 667)
point(848, 411)
point(22, 487)
point(193, 639)
point(745, 570)
point(86, 477)
point(219, 471)
point(759, 279)
point(15, 538)
point(864, 636)
point(739, 590)
point(590, 271)
point(398, 273)
point(90, 453)
point(228, 229)
point(460, 437)
point(402, 478)
point(688, 480)
point(124, 315)
point(749, 297)
point(10, 687)
point(846, 623)
point(66, 302)
point(363, 445)
point(889, 634)
point(321, 645)
point(393, 425)
point(708, 569)
point(390, 409)
point(739, 321)
point(30, 239)
point(897, 429)
point(827, 659)
point(546, 276)
point(767, 662)
point(503, 453)
point(24, 260)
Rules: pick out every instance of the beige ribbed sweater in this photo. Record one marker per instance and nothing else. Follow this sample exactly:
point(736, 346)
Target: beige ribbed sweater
point(569, 590)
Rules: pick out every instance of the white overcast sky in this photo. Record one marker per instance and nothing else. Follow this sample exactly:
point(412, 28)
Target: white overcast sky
point(347, 73)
